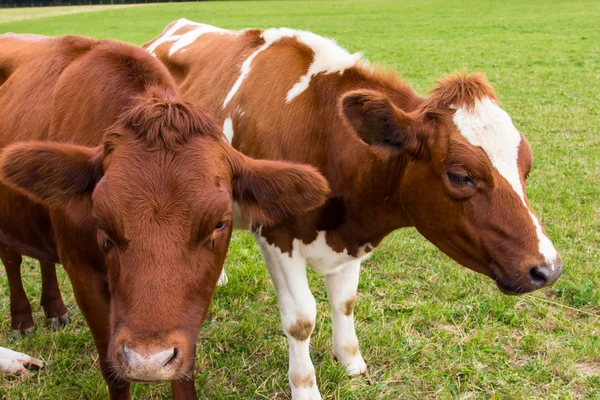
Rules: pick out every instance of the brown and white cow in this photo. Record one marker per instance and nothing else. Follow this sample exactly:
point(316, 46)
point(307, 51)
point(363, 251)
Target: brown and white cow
point(107, 171)
point(453, 165)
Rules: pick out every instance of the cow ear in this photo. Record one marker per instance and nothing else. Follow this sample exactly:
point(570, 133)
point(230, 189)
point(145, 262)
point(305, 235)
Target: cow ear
point(51, 173)
point(376, 120)
point(268, 192)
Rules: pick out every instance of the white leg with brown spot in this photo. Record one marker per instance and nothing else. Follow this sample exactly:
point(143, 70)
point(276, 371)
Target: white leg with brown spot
point(341, 291)
point(298, 311)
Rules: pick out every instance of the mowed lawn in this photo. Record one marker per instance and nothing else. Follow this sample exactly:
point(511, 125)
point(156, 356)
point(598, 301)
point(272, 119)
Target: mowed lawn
point(428, 327)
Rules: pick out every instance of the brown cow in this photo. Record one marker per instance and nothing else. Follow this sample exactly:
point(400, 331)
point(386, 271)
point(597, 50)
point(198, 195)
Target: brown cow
point(131, 189)
point(453, 165)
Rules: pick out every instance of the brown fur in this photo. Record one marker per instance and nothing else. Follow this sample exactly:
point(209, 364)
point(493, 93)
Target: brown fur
point(302, 381)
point(301, 329)
point(130, 188)
point(349, 306)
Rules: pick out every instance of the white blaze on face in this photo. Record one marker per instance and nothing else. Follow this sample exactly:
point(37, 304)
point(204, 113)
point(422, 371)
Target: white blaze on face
point(491, 128)
point(328, 58)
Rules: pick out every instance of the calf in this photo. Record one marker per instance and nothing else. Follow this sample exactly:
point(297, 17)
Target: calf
point(452, 165)
point(107, 171)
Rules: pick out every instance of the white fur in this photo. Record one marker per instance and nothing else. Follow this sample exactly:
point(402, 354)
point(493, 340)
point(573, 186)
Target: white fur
point(228, 129)
point(341, 287)
point(12, 362)
point(191, 36)
point(296, 302)
point(244, 71)
point(169, 35)
point(328, 58)
point(491, 128)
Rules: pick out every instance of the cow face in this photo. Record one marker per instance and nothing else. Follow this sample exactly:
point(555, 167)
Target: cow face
point(463, 185)
point(159, 196)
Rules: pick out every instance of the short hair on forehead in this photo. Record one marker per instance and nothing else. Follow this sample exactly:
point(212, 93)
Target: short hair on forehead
point(460, 90)
point(162, 121)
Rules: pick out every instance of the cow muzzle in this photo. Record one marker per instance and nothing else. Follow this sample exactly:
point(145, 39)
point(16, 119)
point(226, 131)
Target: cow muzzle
point(149, 365)
point(536, 277)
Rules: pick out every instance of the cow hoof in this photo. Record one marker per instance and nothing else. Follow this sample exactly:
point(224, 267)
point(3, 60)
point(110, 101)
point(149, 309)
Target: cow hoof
point(27, 331)
point(57, 323)
point(33, 364)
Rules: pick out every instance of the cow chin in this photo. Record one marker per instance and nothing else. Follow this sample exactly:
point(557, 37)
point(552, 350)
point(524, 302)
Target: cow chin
point(507, 287)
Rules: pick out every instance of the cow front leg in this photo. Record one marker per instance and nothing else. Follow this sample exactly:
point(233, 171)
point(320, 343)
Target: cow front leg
point(52, 302)
point(341, 291)
point(92, 296)
point(184, 389)
point(20, 309)
point(298, 311)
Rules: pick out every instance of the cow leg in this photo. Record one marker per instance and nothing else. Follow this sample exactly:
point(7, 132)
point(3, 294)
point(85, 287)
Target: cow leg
point(298, 311)
point(341, 291)
point(91, 292)
point(52, 302)
point(12, 362)
point(183, 390)
point(20, 309)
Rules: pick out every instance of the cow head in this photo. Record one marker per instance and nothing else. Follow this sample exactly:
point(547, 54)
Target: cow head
point(159, 195)
point(463, 178)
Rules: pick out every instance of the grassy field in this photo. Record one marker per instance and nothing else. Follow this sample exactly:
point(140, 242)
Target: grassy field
point(428, 327)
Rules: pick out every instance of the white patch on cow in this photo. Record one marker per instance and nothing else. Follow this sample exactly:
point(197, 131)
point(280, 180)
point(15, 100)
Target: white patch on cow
point(13, 362)
point(322, 258)
point(190, 37)
point(328, 58)
point(491, 128)
point(169, 35)
point(244, 71)
point(228, 129)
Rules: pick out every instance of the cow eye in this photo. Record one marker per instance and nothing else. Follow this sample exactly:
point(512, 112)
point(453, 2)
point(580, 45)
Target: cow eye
point(461, 179)
point(107, 244)
point(221, 225)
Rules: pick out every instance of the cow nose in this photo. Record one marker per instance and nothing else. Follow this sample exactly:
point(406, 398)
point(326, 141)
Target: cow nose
point(545, 274)
point(149, 365)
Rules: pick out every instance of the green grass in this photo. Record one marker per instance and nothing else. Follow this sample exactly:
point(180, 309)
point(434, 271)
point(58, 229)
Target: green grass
point(428, 327)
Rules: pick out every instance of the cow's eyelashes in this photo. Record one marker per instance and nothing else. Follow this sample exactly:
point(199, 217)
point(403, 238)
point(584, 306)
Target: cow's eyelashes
point(221, 225)
point(461, 179)
point(107, 244)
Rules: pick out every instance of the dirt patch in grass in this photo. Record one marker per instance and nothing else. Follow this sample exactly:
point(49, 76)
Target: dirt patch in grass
point(588, 368)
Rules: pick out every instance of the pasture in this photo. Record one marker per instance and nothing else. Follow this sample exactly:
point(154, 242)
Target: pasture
point(428, 327)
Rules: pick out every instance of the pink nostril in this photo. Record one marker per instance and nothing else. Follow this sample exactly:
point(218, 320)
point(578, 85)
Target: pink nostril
point(163, 358)
point(148, 360)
